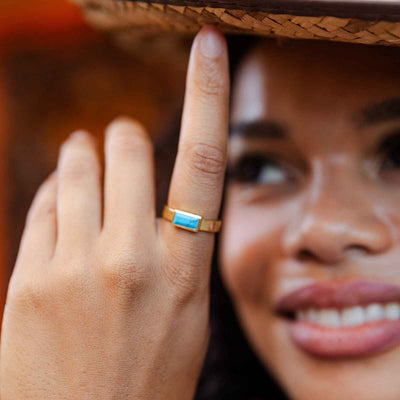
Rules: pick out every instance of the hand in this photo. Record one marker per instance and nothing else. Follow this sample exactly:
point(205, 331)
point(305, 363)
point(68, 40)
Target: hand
point(107, 301)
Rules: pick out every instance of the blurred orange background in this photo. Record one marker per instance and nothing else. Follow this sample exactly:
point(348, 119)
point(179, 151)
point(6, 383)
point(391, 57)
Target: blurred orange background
point(22, 24)
point(56, 75)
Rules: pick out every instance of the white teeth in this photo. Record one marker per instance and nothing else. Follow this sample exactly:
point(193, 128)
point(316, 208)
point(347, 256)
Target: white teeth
point(329, 318)
point(392, 311)
point(374, 312)
point(312, 315)
point(351, 316)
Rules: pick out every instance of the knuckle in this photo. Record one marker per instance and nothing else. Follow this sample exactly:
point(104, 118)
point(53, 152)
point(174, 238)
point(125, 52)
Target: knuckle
point(207, 158)
point(210, 80)
point(123, 272)
point(24, 295)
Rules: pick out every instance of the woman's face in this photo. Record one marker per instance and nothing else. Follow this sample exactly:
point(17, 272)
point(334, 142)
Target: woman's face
point(310, 247)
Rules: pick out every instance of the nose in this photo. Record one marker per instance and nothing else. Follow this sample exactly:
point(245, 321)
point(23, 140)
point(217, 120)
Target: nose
point(337, 216)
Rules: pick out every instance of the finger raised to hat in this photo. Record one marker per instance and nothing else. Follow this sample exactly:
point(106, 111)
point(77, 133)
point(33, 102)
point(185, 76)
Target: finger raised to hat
point(198, 176)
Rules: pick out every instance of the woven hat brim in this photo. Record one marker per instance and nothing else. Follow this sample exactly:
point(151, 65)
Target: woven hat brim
point(354, 21)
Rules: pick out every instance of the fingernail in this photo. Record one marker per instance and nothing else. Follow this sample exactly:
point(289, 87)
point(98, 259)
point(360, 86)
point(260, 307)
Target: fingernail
point(211, 42)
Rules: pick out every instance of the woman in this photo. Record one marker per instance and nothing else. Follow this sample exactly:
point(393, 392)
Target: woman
point(107, 301)
point(309, 247)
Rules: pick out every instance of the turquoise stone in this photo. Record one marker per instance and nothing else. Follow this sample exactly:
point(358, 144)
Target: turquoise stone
point(186, 221)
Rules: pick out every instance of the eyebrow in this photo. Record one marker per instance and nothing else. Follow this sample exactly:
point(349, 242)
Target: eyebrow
point(258, 129)
point(380, 112)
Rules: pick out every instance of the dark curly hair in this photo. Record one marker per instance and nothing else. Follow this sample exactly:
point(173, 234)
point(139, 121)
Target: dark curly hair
point(231, 370)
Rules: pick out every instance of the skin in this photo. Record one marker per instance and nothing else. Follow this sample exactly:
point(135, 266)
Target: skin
point(107, 301)
point(332, 213)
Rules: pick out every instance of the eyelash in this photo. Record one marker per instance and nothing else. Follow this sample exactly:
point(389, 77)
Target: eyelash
point(389, 148)
point(249, 167)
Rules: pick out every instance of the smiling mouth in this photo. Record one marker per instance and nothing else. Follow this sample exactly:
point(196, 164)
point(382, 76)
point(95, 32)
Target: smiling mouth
point(343, 319)
point(349, 316)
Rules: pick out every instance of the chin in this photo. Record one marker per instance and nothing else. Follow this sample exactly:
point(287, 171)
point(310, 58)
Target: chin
point(307, 376)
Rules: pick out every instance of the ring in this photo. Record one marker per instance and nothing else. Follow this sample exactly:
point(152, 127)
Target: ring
point(189, 221)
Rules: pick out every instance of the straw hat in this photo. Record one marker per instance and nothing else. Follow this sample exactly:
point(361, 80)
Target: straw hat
point(356, 21)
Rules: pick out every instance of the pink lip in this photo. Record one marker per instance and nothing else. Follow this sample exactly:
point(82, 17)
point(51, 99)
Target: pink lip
point(364, 340)
point(339, 294)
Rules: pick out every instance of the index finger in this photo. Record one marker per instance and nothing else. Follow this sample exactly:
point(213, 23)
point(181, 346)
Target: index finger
point(198, 176)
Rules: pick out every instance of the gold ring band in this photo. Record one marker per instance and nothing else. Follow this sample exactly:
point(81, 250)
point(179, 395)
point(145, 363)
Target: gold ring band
point(189, 221)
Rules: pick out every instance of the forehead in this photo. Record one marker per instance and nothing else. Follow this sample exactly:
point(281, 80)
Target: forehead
point(311, 79)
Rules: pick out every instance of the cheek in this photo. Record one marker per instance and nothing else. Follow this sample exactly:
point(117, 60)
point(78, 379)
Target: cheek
point(250, 242)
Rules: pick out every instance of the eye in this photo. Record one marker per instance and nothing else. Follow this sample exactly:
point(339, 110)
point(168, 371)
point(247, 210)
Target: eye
point(259, 168)
point(390, 150)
